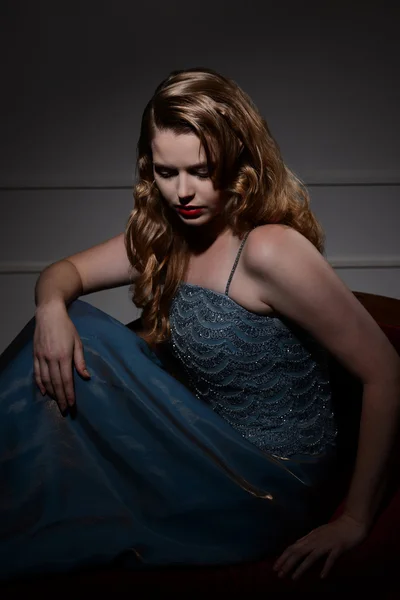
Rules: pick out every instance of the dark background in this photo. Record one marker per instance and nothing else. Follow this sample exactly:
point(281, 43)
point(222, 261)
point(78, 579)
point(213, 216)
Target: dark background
point(75, 77)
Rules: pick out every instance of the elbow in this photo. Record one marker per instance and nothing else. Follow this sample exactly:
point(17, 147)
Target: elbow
point(77, 273)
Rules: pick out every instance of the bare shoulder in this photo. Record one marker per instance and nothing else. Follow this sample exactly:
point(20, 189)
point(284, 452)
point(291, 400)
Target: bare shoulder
point(296, 281)
point(271, 245)
point(274, 235)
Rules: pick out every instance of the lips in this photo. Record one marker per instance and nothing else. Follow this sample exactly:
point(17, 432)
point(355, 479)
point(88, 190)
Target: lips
point(191, 212)
point(189, 207)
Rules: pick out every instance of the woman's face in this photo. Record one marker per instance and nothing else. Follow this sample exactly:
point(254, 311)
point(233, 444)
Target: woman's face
point(183, 178)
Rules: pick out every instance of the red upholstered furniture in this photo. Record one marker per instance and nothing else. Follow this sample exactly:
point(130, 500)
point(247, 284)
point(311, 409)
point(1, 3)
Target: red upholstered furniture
point(373, 567)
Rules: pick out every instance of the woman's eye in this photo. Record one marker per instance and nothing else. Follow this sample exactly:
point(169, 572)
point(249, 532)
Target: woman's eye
point(168, 174)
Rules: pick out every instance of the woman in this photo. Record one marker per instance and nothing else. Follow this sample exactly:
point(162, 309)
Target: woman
point(211, 450)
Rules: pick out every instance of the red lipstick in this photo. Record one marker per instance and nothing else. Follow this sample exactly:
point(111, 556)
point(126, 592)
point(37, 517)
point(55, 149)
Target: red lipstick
point(189, 212)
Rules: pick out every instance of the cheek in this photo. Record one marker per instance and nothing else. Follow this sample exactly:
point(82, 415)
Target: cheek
point(163, 187)
point(210, 192)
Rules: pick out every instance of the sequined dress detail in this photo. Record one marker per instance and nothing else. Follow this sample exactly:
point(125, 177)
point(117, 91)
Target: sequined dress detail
point(263, 374)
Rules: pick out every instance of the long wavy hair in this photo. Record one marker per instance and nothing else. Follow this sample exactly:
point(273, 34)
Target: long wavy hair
point(246, 164)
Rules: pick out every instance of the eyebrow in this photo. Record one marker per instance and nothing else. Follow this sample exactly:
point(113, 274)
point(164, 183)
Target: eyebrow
point(201, 165)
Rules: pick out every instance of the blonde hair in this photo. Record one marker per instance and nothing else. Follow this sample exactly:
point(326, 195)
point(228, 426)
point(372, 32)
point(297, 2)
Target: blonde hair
point(259, 187)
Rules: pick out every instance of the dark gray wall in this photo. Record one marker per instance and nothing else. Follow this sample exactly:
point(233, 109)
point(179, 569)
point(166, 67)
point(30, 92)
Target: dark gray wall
point(76, 77)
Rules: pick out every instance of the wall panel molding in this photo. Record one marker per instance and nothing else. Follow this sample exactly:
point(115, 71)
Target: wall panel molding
point(343, 262)
point(310, 180)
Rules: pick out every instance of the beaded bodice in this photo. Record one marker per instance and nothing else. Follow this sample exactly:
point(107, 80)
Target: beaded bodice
point(263, 374)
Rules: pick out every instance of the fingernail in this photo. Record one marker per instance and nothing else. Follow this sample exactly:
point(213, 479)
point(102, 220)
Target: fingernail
point(86, 373)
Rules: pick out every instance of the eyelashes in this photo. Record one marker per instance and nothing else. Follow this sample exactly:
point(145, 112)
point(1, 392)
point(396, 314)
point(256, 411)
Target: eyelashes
point(169, 174)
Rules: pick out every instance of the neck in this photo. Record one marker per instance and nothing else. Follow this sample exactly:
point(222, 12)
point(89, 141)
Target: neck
point(202, 238)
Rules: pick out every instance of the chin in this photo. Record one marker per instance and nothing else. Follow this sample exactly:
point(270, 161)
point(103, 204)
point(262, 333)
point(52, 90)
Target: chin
point(199, 221)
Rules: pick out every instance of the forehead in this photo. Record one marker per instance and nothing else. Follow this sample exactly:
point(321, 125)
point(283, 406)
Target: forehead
point(177, 150)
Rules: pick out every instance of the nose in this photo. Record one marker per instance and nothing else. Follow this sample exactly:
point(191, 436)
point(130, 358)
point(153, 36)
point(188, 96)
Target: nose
point(184, 188)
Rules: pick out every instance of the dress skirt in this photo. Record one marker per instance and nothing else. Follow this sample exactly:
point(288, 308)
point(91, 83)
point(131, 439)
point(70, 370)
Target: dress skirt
point(143, 475)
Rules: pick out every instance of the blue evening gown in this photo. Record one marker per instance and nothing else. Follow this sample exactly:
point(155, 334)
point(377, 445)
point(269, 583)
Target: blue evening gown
point(151, 471)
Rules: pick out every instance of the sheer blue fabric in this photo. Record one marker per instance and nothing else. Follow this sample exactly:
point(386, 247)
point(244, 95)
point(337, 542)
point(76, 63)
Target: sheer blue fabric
point(145, 474)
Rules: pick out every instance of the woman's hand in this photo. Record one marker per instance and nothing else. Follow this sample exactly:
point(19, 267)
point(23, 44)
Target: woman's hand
point(331, 539)
point(56, 346)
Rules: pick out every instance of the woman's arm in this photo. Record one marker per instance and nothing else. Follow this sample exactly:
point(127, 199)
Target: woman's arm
point(100, 267)
point(57, 345)
point(300, 284)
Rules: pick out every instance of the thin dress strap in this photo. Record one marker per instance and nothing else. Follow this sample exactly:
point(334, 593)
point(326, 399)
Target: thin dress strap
point(236, 262)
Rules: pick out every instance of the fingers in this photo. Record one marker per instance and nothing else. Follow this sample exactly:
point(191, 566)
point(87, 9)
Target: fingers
point(57, 346)
point(56, 378)
point(330, 562)
point(57, 384)
point(289, 552)
point(48, 378)
point(291, 557)
point(38, 379)
point(307, 562)
point(45, 377)
point(67, 381)
point(331, 540)
point(304, 554)
point(79, 359)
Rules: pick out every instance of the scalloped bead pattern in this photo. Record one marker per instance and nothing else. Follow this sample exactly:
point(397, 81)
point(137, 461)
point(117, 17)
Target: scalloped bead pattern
point(263, 374)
